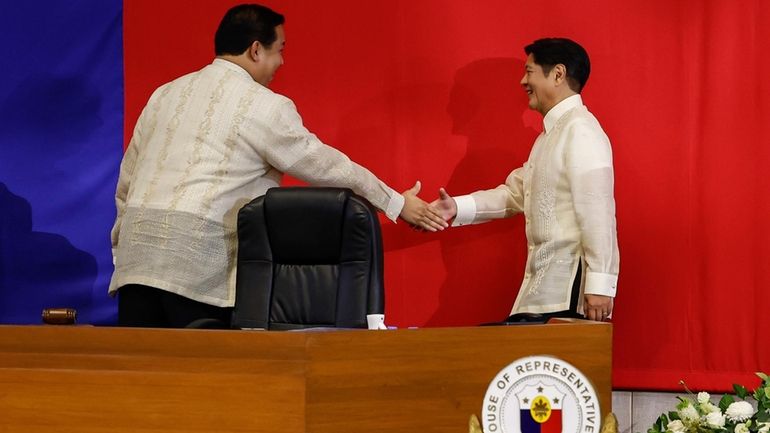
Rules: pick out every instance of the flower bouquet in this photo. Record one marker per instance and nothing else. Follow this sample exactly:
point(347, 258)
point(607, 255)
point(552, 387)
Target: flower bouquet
point(699, 415)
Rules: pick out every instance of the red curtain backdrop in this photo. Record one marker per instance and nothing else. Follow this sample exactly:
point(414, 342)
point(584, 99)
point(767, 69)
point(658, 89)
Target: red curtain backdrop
point(428, 90)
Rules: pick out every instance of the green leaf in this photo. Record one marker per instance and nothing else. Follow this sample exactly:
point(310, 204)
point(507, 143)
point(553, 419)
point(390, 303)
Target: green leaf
point(659, 426)
point(762, 376)
point(758, 393)
point(740, 391)
point(726, 400)
point(763, 416)
point(673, 415)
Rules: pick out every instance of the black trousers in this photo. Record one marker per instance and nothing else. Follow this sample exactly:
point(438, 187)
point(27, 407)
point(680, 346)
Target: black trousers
point(149, 307)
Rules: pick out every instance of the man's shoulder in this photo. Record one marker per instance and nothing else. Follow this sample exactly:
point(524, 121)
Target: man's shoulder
point(176, 82)
point(580, 126)
point(276, 98)
point(280, 105)
point(580, 117)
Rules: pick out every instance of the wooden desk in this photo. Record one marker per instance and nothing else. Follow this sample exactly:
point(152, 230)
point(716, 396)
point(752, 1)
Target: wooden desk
point(88, 379)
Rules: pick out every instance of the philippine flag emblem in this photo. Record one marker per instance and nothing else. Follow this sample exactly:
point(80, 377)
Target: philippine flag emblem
point(540, 407)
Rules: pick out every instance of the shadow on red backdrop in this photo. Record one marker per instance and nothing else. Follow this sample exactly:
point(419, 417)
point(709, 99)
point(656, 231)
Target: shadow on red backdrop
point(429, 90)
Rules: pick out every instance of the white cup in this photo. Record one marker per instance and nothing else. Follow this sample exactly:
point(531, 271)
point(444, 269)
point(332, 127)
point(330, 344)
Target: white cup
point(376, 321)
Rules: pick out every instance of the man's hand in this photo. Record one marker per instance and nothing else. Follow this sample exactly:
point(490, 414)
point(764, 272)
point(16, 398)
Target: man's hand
point(597, 307)
point(445, 205)
point(419, 213)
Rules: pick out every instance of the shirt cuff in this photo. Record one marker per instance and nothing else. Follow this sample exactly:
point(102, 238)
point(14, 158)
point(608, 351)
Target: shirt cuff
point(601, 284)
point(466, 210)
point(395, 205)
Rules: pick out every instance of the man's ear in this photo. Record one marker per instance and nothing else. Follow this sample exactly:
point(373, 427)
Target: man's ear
point(559, 73)
point(255, 51)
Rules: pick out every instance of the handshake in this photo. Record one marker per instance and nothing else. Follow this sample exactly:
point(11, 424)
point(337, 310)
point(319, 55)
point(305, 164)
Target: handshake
point(428, 216)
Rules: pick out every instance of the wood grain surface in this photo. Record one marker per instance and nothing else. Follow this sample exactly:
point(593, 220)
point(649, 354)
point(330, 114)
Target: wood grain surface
point(89, 379)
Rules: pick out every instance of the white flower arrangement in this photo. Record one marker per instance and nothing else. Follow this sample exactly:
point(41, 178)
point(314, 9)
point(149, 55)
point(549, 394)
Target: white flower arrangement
point(699, 415)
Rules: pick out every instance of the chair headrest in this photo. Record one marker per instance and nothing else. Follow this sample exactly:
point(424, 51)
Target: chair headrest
point(305, 224)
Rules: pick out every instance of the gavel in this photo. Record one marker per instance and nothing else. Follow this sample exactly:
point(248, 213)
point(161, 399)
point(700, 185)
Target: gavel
point(59, 316)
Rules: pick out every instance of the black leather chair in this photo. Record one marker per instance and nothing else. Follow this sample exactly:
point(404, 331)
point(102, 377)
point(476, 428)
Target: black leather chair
point(308, 257)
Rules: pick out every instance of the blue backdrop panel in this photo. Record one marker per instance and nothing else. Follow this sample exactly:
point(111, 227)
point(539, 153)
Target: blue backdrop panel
point(61, 126)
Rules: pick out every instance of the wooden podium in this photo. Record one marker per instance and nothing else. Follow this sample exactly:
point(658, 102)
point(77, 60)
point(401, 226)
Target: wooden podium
point(88, 379)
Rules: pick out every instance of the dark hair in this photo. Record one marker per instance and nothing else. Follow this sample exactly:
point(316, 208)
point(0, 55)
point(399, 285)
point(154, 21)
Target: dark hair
point(244, 24)
point(549, 52)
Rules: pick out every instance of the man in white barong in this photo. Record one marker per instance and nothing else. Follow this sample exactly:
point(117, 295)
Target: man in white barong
point(564, 190)
point(206, 144)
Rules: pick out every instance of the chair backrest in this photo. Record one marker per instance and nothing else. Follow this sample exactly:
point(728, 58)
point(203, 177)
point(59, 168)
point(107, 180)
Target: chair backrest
point(308, 257)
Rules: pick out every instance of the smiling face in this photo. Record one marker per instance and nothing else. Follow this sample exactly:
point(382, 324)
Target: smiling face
point(541, 88)
point(270, 59)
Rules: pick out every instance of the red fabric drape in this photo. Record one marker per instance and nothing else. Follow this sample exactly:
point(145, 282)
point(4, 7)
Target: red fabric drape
point(429, 90)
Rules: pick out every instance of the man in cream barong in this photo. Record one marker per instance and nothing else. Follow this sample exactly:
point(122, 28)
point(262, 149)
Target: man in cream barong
point(565, 191)
point(206, 144)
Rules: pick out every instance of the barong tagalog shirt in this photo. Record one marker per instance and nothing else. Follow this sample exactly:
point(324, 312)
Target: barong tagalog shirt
point(205, 145)
point(565, 190)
